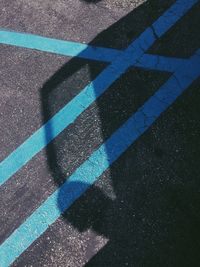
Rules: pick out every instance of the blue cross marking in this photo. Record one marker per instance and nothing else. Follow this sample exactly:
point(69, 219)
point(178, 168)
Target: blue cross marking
point(184, 72)
point(120, 61)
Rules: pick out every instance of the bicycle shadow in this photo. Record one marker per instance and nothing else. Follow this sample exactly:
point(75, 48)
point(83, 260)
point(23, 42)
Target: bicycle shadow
point(149, 221)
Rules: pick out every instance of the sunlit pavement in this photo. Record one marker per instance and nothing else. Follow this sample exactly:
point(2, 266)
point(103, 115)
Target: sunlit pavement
point(99, 115)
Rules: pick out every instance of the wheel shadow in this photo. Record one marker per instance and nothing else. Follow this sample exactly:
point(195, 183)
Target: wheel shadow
point(144, 204)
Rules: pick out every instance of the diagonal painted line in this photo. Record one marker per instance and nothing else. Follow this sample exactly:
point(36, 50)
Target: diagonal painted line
point(160, 63)
point(35, 143)
point(98, 162)
point(61, 47)
point(74, 49)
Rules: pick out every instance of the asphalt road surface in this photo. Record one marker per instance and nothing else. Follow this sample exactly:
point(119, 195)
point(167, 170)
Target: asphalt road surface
point(136, 202)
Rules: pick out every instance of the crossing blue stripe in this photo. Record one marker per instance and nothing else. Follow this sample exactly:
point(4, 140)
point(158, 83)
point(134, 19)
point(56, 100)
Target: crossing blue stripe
point(159, 63)
point(61, 47)
point(98, 162)
point(170, 18)
point(90, 93)
point(67, 48)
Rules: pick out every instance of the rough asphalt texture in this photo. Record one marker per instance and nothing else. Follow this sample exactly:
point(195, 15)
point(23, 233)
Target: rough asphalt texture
point(144, 210)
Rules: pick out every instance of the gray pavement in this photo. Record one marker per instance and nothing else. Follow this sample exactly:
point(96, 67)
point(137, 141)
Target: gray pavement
point(144, 209)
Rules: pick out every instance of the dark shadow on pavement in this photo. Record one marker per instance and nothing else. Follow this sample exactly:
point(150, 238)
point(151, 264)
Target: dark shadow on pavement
point(153, 220)
point(91, 1)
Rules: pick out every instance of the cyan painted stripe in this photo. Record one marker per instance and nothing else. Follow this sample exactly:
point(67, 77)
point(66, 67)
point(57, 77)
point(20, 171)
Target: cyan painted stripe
point(67, 48)
point(170, 18)
point(71, 49)
point(61, 47)
point(160, 63)
point(83, 100)
point(98, 162)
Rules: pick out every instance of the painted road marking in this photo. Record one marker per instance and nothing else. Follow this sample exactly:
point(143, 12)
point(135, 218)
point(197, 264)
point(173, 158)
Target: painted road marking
point(160, 63)
point(130, 57)
point(60, 47)
point(74, 49)
point(99, 161)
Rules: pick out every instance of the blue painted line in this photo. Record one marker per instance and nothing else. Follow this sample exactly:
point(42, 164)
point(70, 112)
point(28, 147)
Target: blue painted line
point(67, 115)
point(61, 47)
point(72, 49)
point(160, 63)
point(98, 162)
point(170, 18)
